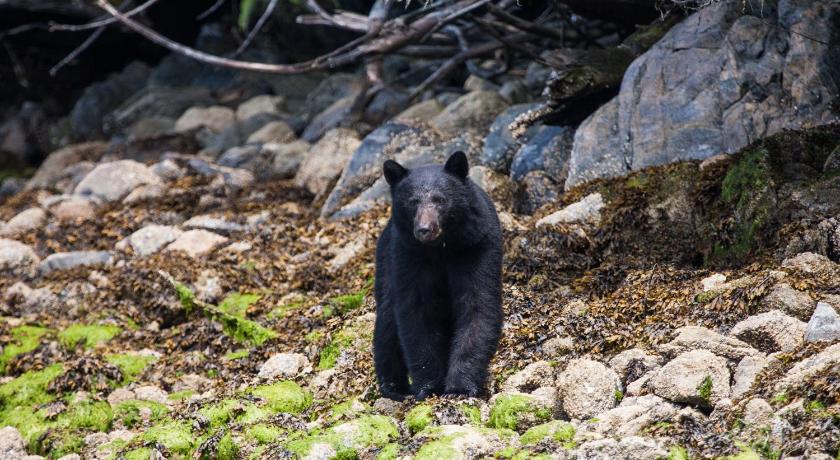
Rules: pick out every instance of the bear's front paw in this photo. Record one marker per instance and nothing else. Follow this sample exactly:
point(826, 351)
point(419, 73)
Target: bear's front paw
point(463, 390)
point(389, 391)
point(428, 390)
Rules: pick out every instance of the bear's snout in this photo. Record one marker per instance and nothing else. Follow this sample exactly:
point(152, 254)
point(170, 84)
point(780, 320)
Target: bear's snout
point(426, 224)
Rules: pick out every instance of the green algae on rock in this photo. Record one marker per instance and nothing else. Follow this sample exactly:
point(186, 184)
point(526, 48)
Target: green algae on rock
point(177, 436)
point(418, 418)
point(461, 442)
point(556, 430)
point(24, 339)
point(346, 439)
point(285, 396)
point(129, 412)
point(511, 409)
point(237, 304)
point(131, 364)
point(88, 335)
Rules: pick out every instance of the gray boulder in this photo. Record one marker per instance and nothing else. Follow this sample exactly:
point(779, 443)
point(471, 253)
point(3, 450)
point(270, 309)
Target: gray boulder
point(587, 388)
point(74, 259)
point(99, 99)
point(547, 150)
point(770, 332)
point(114, 180)
point(722, 78)
point(326, 159)
point(824, 325)
point(16, 258)
point(157, 102)
point(472, 111)
point(696, 377)
point(500, 144)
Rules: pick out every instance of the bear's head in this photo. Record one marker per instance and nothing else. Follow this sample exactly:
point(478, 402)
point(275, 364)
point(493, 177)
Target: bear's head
point(429, 200)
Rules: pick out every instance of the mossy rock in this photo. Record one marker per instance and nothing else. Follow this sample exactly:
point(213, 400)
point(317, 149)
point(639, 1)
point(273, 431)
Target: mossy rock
point(555, 430)
point(20, 399)
point(129, 412)
point(518, 411)
point(24, 339)
point(284, 396)
point(177, 436)
point(346, 439)
point(461, 442)
point(131, 365)
point(356, 335)
point(87, 335)
point(418, 418)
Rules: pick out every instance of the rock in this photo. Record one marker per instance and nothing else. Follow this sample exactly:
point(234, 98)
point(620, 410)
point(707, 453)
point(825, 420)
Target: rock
point(153, 105)
point(459, 442)
point(120, 395)
point(151, 393)
point(515, 92)
point(757, 412)
point(472, 111)
point(770, 332)
point(585, 211)
point(283, 365)
point(333, 117)
point(25, 221)
point(70, 457)
point(168, 170)
point(17, 258)
point(474, 83)
point(385, 104)
point(192, 382)
point(500, 145)
point(151, 127)
point(695, 377)
point(587, 388)
point(558, 346)
point(500, 188)
point(240, 157)
point(197, 243)
point(150, 239)
point(334, 87)
point(694, 337)
point(114, 180)
point(629, 448)
point(422, 111)
point(214, 224)
point(520, 411)
point(713, 282)
point(259, 105)
point(535, 375)
point(284, 160)
point(53, 167)
point(214, 118)
point(11, 444)
point(344, 255)
point(365, 165)
point(389, 407)
point(745, 375)
point(634, 363)
point(99, 99)
point(633, 415)
point(326, 160)
point(278, 132)
point(73, 259)
point(727, 66)
point(538, 190)
point(234, 178)
point(25, 300)
point(793, 302)
point(824, 325)
point(74, 209)
point(547, 150)
point(810, 263)
point(145, 193)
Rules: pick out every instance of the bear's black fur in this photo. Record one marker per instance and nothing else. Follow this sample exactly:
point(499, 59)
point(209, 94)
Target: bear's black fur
point(438, 283)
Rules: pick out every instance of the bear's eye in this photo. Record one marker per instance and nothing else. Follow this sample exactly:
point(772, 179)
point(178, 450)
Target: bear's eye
point(414, 201)
point(437, 199)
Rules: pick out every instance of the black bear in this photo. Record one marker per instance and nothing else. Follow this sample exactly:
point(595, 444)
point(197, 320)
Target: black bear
point(438, 283)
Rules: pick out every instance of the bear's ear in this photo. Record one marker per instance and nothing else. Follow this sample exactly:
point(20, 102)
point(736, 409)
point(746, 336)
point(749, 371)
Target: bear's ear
point(457, 165)
point(394, 172)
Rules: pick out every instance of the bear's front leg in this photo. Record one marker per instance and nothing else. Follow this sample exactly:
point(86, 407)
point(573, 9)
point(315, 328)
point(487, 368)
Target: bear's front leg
point(387, 353)
point(425, 347)
point(475, 284)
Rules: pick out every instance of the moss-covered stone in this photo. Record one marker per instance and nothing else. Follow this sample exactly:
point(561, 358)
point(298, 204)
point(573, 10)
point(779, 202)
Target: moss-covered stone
point(418, 418)
point(556, 430)
point(131, 365)
point(227, 449)
point(677, 453)
point(458, 442)
point(389, 452)
point(23, 340)
point(222, 412)
point(88, 335)
point(357, 334)
point(20, 398)
point(143, 453)
point(129, 412)
point(177, 436)
point(510, 409)
point(348, 438)
point(284, 396)
point(253, 413)
point(237, 304)
point(264, 433)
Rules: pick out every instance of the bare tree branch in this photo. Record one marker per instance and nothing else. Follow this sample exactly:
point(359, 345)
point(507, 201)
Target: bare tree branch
point(100, 22)
point(210, 10)
point(272, 4)
point(77, 51)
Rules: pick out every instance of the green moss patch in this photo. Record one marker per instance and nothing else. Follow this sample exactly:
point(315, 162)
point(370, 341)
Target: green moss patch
point(263, 433)
point(238, 354)
point(220, 413)
point(88, 335)
point(23, 340)
point(344, 338)
point(418, 418)
point(350, 437)
point(129, 412)
point(131, 365)
point(510, 409)
point(284, 396)
point(237, 304)
point(177, 436)
point(556, 430)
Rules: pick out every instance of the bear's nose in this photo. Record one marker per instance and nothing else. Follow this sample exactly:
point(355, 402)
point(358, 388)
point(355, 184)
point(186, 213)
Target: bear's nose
point(426, 233)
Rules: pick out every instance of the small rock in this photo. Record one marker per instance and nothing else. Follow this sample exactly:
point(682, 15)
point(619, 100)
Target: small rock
point(144, 193)
point(515, 92)
point(151, 393)
point(745, 375)
point(168, 170)
point(278, 132)
point(97, 439)
point(824, 325)
point(757, 412)
point(556, 346)
point(11, 444)
point(811, 263)
point(587, 388)
point(344, 255)
point(422, 111)
point(214, 118)
point(53, 167)
point(284, 159)
point(70, 457)
point(472, 111)
point(149, 239)
point(114, 180)
point(694, 337)
point(770, 332)
point(791, 301)
point(25, 300)
point(208, 286)
point(258, 105)
point(629, 448)
point(283, 365)
point(634, 363)
point(587, 210)
point(214, 224)
point(191, 382)
point(25, 221)
point(120, 395)
point(696, 377)
point(535, 375)
point(713, 282)
point(389, 407)
point(326, 160)
point(74, 209)
point(196, 242)
point(634, 414)
point(74, 259)
point(474, 83)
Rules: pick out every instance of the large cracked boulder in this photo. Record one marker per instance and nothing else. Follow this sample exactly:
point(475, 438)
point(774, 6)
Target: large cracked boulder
point(696, 377)
point(722, 78)
point(587, 388)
